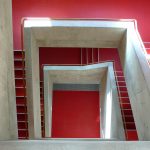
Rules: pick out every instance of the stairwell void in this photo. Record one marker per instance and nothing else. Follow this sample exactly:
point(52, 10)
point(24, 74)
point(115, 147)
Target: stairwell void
point(110, 114)
point(89, 33)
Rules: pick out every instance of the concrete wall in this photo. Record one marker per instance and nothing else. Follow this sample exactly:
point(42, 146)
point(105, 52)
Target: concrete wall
point(65, 32)
point(137, 76)
point(102, 104)
point(8, 121)
point(111, 120)
point(33, 87)
point(73, 145)
point(48, 95)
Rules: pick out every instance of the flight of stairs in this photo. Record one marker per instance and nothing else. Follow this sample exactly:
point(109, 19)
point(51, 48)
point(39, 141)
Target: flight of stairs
point(88, 56)
point(92, 56)
point(42, 108)
point(126, 110)
point(21, 101)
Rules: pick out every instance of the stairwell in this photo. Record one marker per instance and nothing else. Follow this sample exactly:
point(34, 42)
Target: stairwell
point(88, 56)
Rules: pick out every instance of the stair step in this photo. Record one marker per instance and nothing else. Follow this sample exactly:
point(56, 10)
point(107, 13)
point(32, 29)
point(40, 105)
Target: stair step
point(22, 109)
point(22, 125)
point(127, 112)
point(19, 82)
point(125, 106)
point(124, 100)
point(130, 125)
point(122, 88)
point(22, 117)
point(132, 135)
point(21, 101)
point(20, 91)
point(120, 78)
point(121, 83)
point(119, 73)
point(19, 54)
point(19, 73)
point(19, 64)
point(124, 94)
point(23, 134)
point(129, 118)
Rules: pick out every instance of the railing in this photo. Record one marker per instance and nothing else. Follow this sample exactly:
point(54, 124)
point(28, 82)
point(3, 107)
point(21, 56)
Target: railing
point(147, 47)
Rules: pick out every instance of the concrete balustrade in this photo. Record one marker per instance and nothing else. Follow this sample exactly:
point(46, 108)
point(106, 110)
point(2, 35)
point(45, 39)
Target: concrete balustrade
point(73, 145)
point(91, 33)
point(65, 36)
point(137, 76)
point(111, 119)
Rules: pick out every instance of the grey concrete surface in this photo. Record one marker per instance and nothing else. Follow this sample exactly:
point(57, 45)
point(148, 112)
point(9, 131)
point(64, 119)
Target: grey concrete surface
point(33, 86)
point(111, 119)
point(73, 145)
point(137, 76)
point(48, 95)
point(78, 36)
point(8, 119)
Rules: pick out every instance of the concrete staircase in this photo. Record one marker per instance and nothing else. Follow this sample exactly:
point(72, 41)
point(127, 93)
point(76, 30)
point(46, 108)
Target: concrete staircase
point(93, 56)
point(21, 100)
point(88, 56)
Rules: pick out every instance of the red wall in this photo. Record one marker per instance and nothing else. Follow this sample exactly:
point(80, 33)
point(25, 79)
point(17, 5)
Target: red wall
point(75, 114)
point(60, 55)
point(124, 9)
